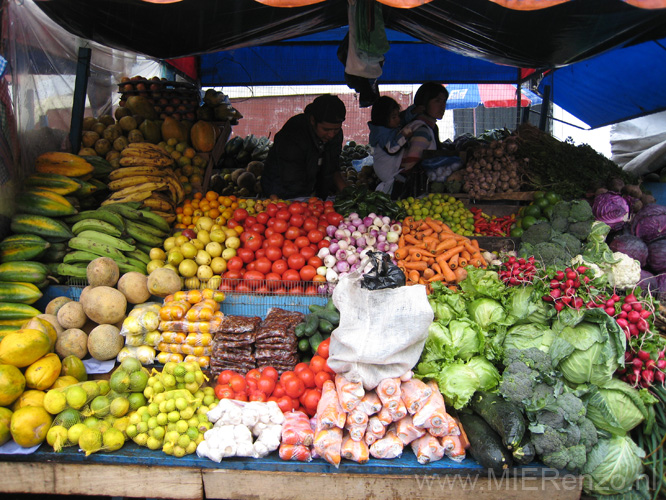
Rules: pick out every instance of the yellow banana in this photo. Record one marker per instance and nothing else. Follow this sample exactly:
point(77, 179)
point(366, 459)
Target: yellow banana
point(143, 153)
point(147, 146)
point(121, 173)
point(177, 187)
point(155, 203)
point(148, 187)
point(125, 182)
point(140, 196)
point(142, 161)
point(169, 217)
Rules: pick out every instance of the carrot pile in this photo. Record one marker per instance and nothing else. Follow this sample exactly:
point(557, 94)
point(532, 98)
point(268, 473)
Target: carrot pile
point(429, 251)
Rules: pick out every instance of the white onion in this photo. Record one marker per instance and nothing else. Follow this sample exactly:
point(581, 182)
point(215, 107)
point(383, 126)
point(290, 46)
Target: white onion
point(323, 252)
point(361, 242)
point(352, 258)
point(362, 228)
point(396, 228)
point(340, 234)
point(385, 228)
point(381, 237)
point(392, 237)
point(331, 275)
point(356, 234)
point(329, 261)
point(341, 255)
point(342, 245)
point(367, 221)
point(393, 247)
point(370, 240)
point(342, 266)
point(321, 270)
point(357, 222)
point(386, 219)
point(378, 222)
point(353, 216)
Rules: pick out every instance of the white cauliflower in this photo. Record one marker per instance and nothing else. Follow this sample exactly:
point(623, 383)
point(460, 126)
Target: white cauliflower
point(625, 273)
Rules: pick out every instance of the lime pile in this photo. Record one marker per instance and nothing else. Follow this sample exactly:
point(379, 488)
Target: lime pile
point(540, 209)
point(175, 418)
point(441, 207)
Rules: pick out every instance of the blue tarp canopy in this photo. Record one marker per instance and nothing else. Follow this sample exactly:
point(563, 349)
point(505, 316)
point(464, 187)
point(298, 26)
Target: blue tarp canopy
point(605, 58)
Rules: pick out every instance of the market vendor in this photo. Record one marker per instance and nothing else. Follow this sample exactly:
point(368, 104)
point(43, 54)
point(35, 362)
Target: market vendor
point(304, 158)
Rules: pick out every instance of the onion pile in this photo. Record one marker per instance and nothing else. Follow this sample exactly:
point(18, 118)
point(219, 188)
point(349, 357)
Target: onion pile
point(352, 239)
point(493, 168)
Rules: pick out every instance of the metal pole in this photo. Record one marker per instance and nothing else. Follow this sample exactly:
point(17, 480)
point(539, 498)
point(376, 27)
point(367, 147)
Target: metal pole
point(79, 104)
point(545, 106)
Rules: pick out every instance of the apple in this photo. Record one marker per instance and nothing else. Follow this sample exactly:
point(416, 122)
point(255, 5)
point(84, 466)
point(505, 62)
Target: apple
point(189, 233)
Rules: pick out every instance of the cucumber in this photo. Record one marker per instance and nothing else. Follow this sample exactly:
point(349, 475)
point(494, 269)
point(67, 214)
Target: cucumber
point(485, 444)
point(311, 324)
point(332, 317)
point(503, 417)
point(304, 345)
point(315, 340)
point(315, 308)
point(325, 326)
point(299, 330)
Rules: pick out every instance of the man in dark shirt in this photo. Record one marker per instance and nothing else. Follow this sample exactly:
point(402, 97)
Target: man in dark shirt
point(304, 158)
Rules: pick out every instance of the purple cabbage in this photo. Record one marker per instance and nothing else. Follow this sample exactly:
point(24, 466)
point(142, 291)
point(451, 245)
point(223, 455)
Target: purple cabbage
point(631, 245)
point(648, 281)
point(656, 260)
point(649, 224)
point(611, 208)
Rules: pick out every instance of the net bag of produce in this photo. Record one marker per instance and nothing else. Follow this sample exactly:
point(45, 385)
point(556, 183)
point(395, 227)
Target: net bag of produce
point(381, 332)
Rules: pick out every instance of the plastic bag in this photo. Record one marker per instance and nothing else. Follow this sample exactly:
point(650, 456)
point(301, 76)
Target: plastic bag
point(142, 318)
point(381, 332)
point(384, 273)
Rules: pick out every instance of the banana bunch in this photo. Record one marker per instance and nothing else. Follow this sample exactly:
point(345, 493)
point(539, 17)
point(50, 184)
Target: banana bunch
point(145, 175)
point(122, 231)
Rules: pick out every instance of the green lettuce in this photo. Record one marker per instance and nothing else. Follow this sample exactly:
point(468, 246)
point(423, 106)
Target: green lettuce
point(458, 382)
point(482, 283)
point(613, 466)
point(461, 339)
point(529, 335)
point(486, 372)
point(523, 304)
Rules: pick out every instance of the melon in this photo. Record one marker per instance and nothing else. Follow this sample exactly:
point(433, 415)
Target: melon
point(72, 342)
point(71, 315)
point(29, 425)
point(43, 373)
point(105, 342)
point(104, 305)
point(23, 347)
point(55, 304)
point(103, 271)
point(12, 383)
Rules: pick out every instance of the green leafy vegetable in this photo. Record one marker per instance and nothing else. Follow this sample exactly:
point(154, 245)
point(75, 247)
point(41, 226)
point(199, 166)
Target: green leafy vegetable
point(613, 466)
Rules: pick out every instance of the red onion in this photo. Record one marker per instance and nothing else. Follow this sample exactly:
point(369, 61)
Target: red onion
point(333, 247)
point(342, 266)
point(367, 221)
point(331, 229)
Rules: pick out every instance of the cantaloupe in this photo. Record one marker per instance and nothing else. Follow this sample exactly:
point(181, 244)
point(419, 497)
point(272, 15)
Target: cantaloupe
point(55, 304)
point(102, 271)
point(105, 342)
point(71, 315)
point(134, 286)
point(72, 342)
point(104, 305)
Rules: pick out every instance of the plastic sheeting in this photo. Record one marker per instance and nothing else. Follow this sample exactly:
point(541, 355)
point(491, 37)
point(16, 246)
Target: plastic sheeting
point(639, 146)
point(43, 59)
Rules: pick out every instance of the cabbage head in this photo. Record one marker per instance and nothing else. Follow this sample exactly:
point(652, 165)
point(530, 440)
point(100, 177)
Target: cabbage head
point(529, 335)
point(461, 339)
point(447, 304)
point(458, 382)
point(588, 346)
point(613, 466)
point(487, 313)
point(488, 375)
point(617, 407)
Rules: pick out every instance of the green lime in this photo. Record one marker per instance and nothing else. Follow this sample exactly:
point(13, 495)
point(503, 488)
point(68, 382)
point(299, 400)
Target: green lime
point(548, 211)
point(553, 198)
point(516, 232)
point(533, 210)
point(538, 195)
point(542, 203)
point(528, 221)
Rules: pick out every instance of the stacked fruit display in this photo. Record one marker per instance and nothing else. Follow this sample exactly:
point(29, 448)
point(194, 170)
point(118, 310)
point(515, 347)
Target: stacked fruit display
point(216, 107)
point(175, 418)
point(441, 207)
point(178, 100)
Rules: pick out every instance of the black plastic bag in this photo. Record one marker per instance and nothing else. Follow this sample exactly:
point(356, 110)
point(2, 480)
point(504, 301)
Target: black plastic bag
point(384, 273)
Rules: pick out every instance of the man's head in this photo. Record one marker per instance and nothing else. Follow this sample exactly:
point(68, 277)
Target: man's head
point(326, 112)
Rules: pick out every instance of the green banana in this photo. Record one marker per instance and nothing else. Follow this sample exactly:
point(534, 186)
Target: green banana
point(137, 263)
point(124, 267)
point(142, 236)
point(104, 215)
point(112, 241)
point(96, 225)
point(139, 255)
point(155, 220)
point(96, 247)
point(79, 256)
point(71, 270)
point(145, 248)
point(124, 209)
point(151, 230)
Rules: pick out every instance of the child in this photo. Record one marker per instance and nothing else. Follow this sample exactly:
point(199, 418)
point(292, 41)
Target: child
point(388, 141)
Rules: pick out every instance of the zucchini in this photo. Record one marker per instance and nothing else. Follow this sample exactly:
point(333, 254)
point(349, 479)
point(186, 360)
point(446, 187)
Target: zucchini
point(21, 247)
point(503, 417)
point(485, 444)
point(315, 308)
point(52, 230)
point(311, 324)
point(525, 452)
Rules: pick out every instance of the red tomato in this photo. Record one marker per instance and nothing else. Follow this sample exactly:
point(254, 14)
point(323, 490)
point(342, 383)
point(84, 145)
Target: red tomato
point(315, 235)
point(258, 396)
point(296, 207)
point(308, 251)
point(279, 266)
point(307, 272)
point(294, 387)
point(296, 220)
point(270, 223)
point(235, 263)
point(300, 367)
point(240, 214)
point(271, 209)
point(254, 373)
point(273, 280)
point(296, 261)
point(285, 403)
point(311, 290)
point(322, 349)
point(310, 400)
point(245, 235)
point(259, 228)
point(263, 265)
point(278, 390)
point(275, 240)
point(273, 253)
point(291, 275)
point(241, 396)
point(261, 253)
point(280, 225)
point(248, 267)
point(289, 248)
point(310, 223)
point(324, 243)
point(317, 363)
point(269, 231)
point(254, 278)
point(237, 383)
point(307, 376)
point(292, 233)
point(233, 275)
point(224, 376)
point(286, 375)
point(295, 289)
point(281, 205)
point(315, 261)
point(224, 392)
point(270, 372)
point(321, 377)
point(334, 218)
point(302, 241)
point(245, 254)
point(283, 214)
point(251, 384)
point(262, 218)
point(263, 289)
point(242, 287)
point(266, 385)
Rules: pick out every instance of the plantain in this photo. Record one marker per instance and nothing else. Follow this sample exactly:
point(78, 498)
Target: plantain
point(158, 203)
point(148, 229)
point(143, 161)
point(174, 183)
point(71, 270)
point(121, 173)
point(106, 239)
point(134, 197)
point(103, 215)
point(126, 182)
point(155, 221)
point(143, 237)
point(96, 225)
point(79, 256)
point(145, 146)
point(96, 247)
point(138, 188)
point(169, 217)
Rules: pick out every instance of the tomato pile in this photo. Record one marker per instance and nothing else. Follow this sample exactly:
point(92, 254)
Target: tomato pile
point(278, 252)
point(299, 389)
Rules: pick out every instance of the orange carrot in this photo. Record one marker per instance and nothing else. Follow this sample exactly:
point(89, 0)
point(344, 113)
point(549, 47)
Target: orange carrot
point(436, 277)
point(434, 225)
point(453, 262)
point(462, 262)
point(436, 268)
point(465, 255)
point(419, 252)
point(428, 273)
point(449, 253)
point(401, 253)
point(418, 265)
point(449, 275)
point(475, 244)
point(446, 244)
point(469, 247)
point(411, 240)
point(478, 256)
point(460, 273)
point(430, 242)
point(414, 276)
point(426, 231)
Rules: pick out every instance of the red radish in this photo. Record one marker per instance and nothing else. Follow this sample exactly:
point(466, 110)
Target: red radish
point(638, 364)
point(659, 377)
point(637, 306)
point(627, 307)
point(628, 356)
point(559, 306)
point(633, 316)
point(632, 378)
point(577, 302)
point(610, 310)
point(547, 298)
point(643, 355)
point(615, 297)
point(648, 376)
point(642, 325)
point(622, 322)
point(650, 364)
point(630, 299)
point(581, 269)
point(622, 315)
point(645, 314)
point(633, 330)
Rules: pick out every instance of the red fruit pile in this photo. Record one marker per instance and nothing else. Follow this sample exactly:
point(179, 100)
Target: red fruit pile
point(278, 252)
point(564, 288)
point(517, 271)
point(642, 370)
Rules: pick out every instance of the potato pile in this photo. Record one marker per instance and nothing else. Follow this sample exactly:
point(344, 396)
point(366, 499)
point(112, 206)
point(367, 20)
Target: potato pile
point(493, 168)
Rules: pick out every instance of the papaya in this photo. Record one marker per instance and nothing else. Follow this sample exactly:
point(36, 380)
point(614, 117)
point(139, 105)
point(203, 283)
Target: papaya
point(12, 383)
point(44, 326)
point(73, 366)
point(23, 347)
point(43, 373)
point(29, 425)
point(5, 420)
point(202, 136)
point(141, 106)
point(172, 129)
point(151, 131)
point(30, 397)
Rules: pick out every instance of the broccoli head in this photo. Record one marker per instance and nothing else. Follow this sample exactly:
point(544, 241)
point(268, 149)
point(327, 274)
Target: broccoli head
point(559, 224)
point(558, 459)
point(552, 254)
point(580, 211)
point(561, 209)
point(554, 419)
point(547, 442)
point(581, 230)
point(588, 434)
point(526, 250)
point(543, 398)
point(571, 435)
point(578, 458)
point(573, 408)
point(537, 233)
point(569, 242)
point(517, 382)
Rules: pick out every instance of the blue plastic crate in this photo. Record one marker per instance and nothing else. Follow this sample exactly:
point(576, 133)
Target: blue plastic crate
point(258, 305)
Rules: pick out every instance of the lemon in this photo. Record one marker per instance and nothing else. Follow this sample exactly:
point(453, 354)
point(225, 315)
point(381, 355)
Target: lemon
point(90, 440)
point(55, 401)
point(113, 439)
point(74, 432)
point(76, 396)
